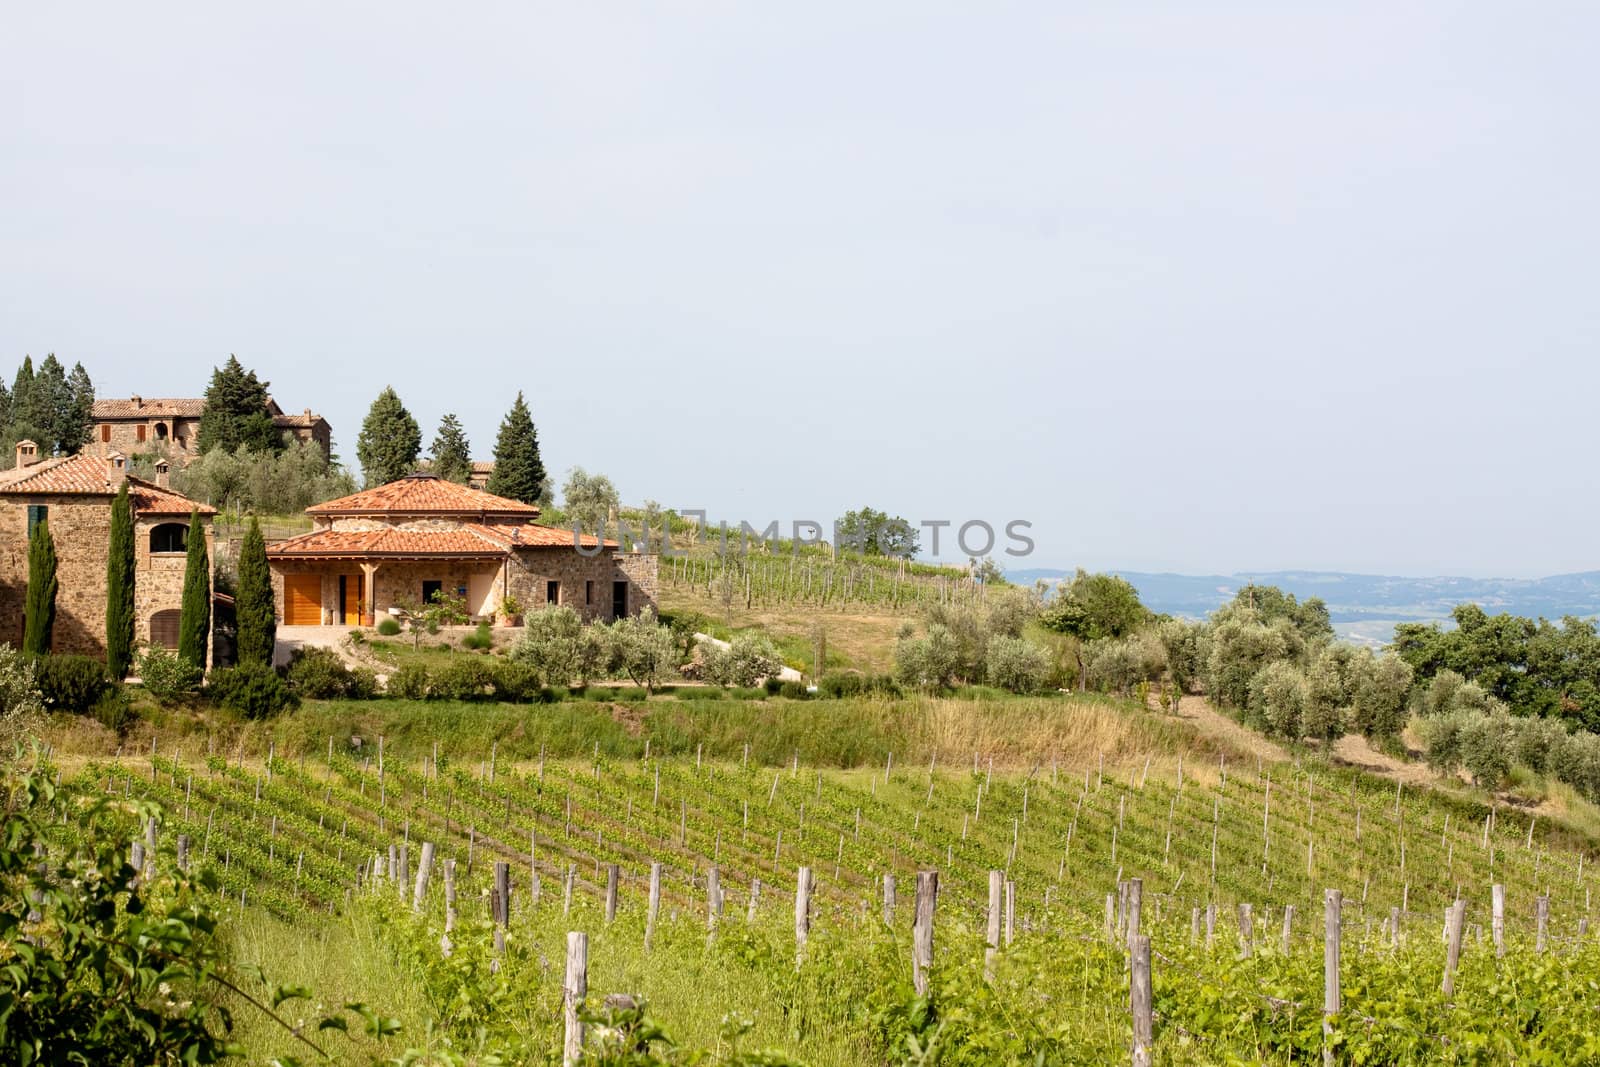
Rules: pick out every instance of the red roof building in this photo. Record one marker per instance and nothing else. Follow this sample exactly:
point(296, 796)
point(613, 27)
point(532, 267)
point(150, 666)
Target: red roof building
point(72, 496)
point(400, 545)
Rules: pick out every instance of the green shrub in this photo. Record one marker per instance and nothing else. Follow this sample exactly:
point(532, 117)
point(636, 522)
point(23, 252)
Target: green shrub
point(167, 676)
point(480, 639)
point(516, 683)
point(251, 690)
point(321, 674)
point(462, 678)
point(112, 710)
point(750, 658)
point(838, 685)
point(748, 693)
point(772, 685)
point(793, 690)
point(409, 682)
point(389, 627)
point(70, 683)
point(358, 637)
point(1016, 664)
point(632, 693)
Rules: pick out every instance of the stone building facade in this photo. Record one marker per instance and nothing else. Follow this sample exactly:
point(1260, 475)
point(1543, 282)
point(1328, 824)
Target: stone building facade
point(170, 426)
point(393, 546)
point(73, 497)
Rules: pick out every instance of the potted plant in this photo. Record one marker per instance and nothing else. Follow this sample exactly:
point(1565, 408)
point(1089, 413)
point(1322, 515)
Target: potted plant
point(510, 611)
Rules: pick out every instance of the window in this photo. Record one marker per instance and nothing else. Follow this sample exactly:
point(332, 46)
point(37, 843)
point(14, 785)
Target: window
point(164, 628)
point(431, 590)
point(105, 431)
point(552, 592)
point(138, 432)
point(169, 537)
point(37, 513)
point(619, 599)
point(588, 591)
point(161, 431)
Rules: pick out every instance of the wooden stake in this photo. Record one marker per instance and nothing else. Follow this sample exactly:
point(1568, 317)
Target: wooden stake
point(802, 912)
point(573, 992)
point(655, 905)
point(922, 930)
point(1332, 1000)
point(613, 876)
point(1139, 983)
point(1498, 927)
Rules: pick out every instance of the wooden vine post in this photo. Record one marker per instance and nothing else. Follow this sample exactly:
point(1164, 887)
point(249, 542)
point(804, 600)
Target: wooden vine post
point(922, 930)
point(654, 909)
point(1332, 1000)
point(1139, 988)
point(802, 912)
point(573, 991)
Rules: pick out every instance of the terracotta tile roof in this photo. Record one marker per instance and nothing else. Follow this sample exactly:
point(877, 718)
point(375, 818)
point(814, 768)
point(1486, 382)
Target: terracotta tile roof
point(424, 494)
point(465, 542)
point(533, 535)
point(89, 475)
point(306, 420)
point(149, 407)
point(153, 500)
point(483, 466)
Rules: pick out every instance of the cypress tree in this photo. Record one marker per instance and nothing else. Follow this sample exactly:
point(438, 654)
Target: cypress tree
point(390, 440)
point(253, 606)
point(194, 625)
point(119, 587)
point(518, 470)
point(451, 454)
point(39, 612)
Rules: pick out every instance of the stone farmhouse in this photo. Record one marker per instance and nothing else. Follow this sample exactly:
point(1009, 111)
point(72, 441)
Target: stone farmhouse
point(73, 494)
point(398, 544)
point(171, 426)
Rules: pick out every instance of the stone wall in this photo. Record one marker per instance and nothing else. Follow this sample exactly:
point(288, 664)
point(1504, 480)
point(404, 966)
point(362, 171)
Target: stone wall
point(181, 441)
point(534, 568)
point(527, 573)
point(158, 584)
point(81, 528)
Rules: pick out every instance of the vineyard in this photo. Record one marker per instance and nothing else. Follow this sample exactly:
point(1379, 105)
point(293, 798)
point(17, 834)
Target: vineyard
point(818, 580)
point(783, 896)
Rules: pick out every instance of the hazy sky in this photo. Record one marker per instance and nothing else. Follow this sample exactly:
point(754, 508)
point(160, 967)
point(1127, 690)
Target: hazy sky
point(1197, 287)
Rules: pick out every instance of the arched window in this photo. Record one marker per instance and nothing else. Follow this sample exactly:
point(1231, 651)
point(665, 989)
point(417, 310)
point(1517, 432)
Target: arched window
point(169, 537)
point(161, 431)
point(164, 628)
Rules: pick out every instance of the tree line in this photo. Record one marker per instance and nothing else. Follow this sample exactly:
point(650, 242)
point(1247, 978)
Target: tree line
point(50, 406)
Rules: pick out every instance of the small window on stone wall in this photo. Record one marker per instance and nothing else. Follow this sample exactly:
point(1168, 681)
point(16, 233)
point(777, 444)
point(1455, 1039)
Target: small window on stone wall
point(169, 537)
point(552, 592)
point(138, 432)
point(105, 431)
point(588, 591)
point(164, 628)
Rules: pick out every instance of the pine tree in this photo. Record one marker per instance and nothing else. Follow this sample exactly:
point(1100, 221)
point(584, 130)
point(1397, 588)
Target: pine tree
point(194, 624)
point(5, 409)
point(51, 401)
point(451, 454)
point(390, 440)
point(253, 606)
point(39, 611)
point(77, 421)
point(120, 587)
point(518, 470)
point(236, 412)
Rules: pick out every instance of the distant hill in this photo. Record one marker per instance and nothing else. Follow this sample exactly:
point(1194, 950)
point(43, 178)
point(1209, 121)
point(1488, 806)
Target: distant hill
point(1364, 607)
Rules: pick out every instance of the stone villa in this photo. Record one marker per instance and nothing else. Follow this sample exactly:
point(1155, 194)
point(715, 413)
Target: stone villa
point(73, 494)
point(397, 544)
point(171, 426)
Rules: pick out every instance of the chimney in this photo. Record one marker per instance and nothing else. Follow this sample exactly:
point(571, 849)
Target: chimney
point(27, 454)
point(162, 467)
point(138, 401)
point(308, 413)
point(116, 467)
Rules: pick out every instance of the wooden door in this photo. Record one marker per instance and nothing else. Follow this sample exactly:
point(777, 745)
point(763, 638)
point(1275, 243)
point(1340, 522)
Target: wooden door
point(350, 595)
point(302, 600)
